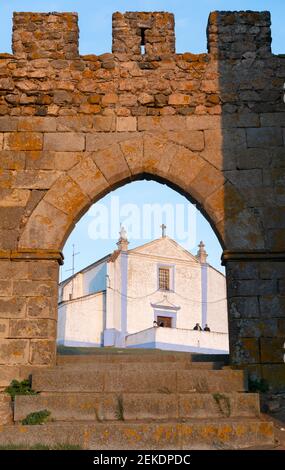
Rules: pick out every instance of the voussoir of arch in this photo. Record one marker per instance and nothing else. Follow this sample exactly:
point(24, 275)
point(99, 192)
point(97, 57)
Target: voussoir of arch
point(113, 159)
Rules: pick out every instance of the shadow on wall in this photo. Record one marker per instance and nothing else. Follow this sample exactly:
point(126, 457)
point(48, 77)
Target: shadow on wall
point(250, 83)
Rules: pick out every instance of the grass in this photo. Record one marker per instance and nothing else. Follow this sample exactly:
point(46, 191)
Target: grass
point(120, 409)
point(20, 388)
point(40, 447)
point(223, 403)
point(37, 417)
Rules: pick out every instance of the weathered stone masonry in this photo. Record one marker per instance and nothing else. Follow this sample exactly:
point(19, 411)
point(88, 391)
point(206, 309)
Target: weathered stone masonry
point(74, 127)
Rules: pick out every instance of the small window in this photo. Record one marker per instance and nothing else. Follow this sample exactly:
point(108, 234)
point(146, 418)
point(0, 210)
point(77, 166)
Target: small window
point(164, 278)
point(143, 40)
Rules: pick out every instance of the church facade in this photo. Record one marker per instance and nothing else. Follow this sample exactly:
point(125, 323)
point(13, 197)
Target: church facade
point(157, 295)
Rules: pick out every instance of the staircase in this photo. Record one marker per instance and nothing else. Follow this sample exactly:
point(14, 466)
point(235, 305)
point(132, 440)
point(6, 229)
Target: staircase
point(144, 401)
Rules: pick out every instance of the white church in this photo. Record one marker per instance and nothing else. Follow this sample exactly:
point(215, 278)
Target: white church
point(157, 295)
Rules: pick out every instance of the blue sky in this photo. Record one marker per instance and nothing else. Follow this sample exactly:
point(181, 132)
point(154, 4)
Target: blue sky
point(95, 37)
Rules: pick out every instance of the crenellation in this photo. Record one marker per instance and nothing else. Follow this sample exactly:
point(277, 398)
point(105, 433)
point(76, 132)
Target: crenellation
point(45, 35)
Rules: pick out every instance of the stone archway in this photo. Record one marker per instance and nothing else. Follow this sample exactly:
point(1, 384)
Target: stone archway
point(72, 128)
point(115, 159)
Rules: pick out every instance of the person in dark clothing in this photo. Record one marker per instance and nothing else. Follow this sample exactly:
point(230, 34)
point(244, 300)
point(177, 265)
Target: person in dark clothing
point(206, 328)
point(197, 327)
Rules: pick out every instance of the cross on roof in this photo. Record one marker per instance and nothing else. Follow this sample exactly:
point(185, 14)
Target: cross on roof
point(163, 227)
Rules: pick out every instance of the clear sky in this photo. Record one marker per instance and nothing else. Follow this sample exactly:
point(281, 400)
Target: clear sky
point(95, 37)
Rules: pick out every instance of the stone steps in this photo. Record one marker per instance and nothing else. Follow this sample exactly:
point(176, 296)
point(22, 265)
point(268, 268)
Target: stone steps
point(134, 366)
point(171, 435)
point(76, 380)
point(138, 406)
point(139, 357)
point(151, 401)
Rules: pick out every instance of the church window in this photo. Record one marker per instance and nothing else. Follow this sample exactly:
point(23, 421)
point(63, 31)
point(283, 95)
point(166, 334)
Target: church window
point(164, 278)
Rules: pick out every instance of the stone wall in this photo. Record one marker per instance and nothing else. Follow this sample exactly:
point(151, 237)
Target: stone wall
point(73, 128)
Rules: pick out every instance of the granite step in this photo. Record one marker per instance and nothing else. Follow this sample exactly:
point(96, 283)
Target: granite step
point(134, 366)
point(171, 435)
point(137, 406)
point(139, 356)
point(60, 379)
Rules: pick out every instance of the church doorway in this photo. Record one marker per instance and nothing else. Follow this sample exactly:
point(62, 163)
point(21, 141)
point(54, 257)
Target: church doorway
point(165, 322)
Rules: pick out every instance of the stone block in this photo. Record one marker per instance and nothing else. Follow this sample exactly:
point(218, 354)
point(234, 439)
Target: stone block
point(43, 270)
point(13, 160)
point(193, 140)
point(240, 120)
point(264, 137)
point(8, 124)
point(64, 142)
point(274, 374)
point(14, 198)
point(38, 328)
point(272, 350)
point(63, 161)
point(42, 352)
point(186, 166)
point(196, 123)
point(12, 307)
point(14, 351)
point(191, 381)
point(30, 288)
point(41, 307)
point(225, 139)
point(269, 120)
point(276, 239)
point(35, 179)
point(132, 150)
point(256, 328)
point(174, 123)
point(244, 350)
point(126, 124)
point(13, 270)
point(109, 98)
point(74, 123)
point(4, 328)
point(149, 123)
point(256, 287)
point(272, 306)
point(37, 124)
point(7, 374)
point(6, 411)
point(47, 226)
point(120, 381)
point(67, 196)
point(245, 178)
point(206, 182)
point(5, 288)
point(104, 123)
point(243, 307)
point(179, 99)
point(158, 155)
point(89, 178)
point(23, 141)
point(111, 163)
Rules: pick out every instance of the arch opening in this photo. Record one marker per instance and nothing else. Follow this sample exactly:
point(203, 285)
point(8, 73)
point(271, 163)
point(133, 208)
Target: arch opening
point(151, 283)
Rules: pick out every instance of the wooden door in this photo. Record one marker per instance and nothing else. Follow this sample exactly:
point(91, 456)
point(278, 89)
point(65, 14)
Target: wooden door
point(166, 322)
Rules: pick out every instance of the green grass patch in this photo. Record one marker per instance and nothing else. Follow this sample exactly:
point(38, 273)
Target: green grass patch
point(37, 417)
point(258, 385)
point(20, 388)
